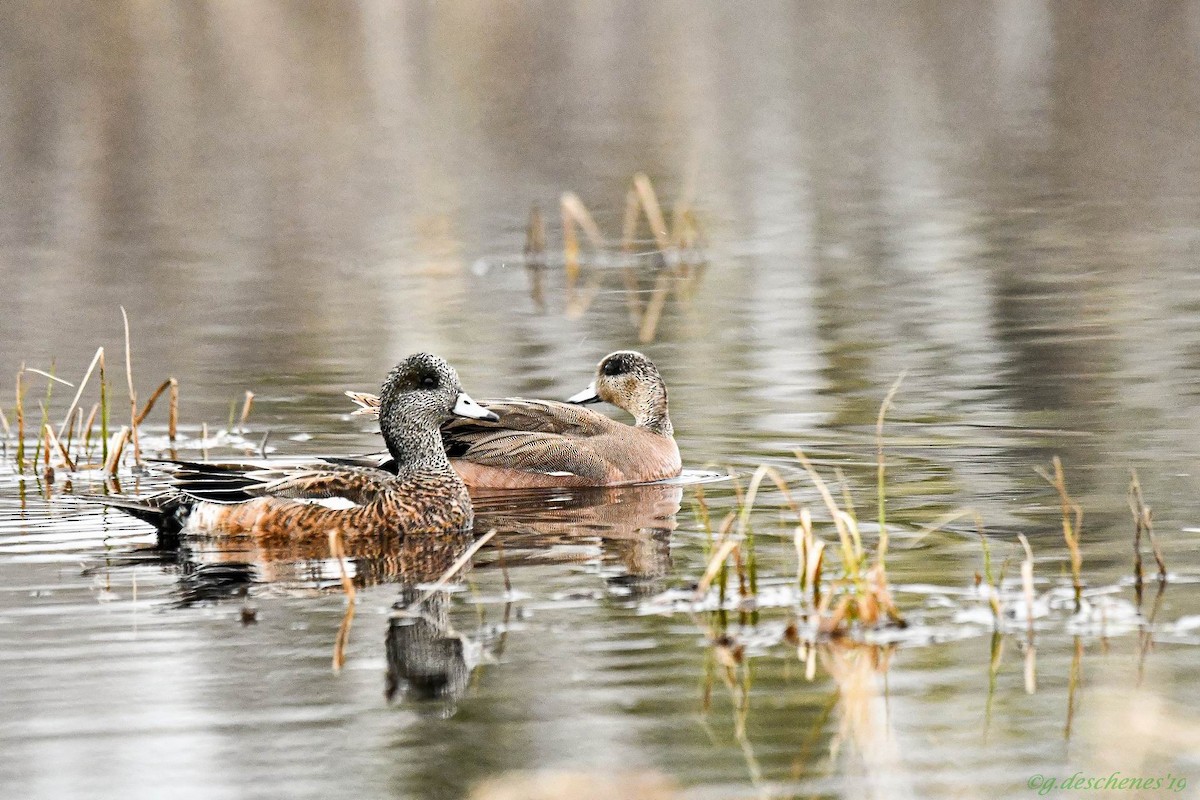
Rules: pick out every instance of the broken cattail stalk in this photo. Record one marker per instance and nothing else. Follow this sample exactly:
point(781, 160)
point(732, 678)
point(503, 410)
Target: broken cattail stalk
point(79, 392)
point(162, 387)
point(246, 406)
point(204, 440)
point(133, 412)
point(114, 452)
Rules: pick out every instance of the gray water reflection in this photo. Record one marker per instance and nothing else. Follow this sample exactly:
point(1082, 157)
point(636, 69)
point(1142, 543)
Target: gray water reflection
point(1000, 198)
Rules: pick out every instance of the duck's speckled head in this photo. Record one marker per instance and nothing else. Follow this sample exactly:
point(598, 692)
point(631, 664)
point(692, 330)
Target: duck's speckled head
point(418, 395)
point(629, 380)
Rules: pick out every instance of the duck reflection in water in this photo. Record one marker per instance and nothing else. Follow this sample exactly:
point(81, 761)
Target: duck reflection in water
point(627, 528)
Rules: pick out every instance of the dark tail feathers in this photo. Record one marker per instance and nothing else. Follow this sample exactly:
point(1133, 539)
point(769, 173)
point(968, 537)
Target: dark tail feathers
point(167, 511)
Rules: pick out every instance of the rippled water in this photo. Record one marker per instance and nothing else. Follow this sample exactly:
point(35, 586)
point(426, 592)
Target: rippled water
point(999, 201)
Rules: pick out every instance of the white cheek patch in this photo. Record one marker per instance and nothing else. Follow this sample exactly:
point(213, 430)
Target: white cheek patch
point(332, 503)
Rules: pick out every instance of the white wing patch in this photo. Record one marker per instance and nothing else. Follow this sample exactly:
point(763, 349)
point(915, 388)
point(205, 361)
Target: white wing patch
point(334, 503)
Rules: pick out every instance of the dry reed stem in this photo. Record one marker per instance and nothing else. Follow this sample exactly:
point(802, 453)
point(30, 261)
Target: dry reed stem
point(1070, 532)
point(852, 552)
point(810, 552)
point(114, 452)
point(162, 387)
point(50, 376)
point(87, 426)
point(535, 256)
point(247, 404)
point(133, 415)
point(204, 440)
point(1143, 523)
point(570, 251)
point(343, 635)
point(79, 392)
point(1073, 685)
point(73, 427)
point(628, 274)
point(763, 471)
point(453, 569)
point(714, 565)
point(4, 424)
point(1027, 582)
point(20, 412)
point(654, 215)
point(53, 441)
point(654, 307)
point(573, 206)
point(173, 412)
point(103, 410)
point(1027, 588)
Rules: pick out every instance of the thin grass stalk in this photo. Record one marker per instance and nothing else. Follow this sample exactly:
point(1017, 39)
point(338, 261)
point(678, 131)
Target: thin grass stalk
point(246, 406)
point(173, 413)
point(4, 424)
point(79, 391)
point(41, 439)
point(20, 412)
point(453, 569)
point(87, 429)
point(1071, 533)
point(715, 564)
point(1143, 523)
point(133, 413)
point(847, 498)
point(881, 486)
point(103, 411)
point(851, 555)
point(73, 427)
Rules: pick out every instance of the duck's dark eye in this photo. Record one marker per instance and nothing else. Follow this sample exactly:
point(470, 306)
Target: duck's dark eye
point(429, 382)
point(613, 367)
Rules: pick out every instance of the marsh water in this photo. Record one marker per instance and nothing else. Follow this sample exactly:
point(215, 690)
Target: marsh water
point(998, 200)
